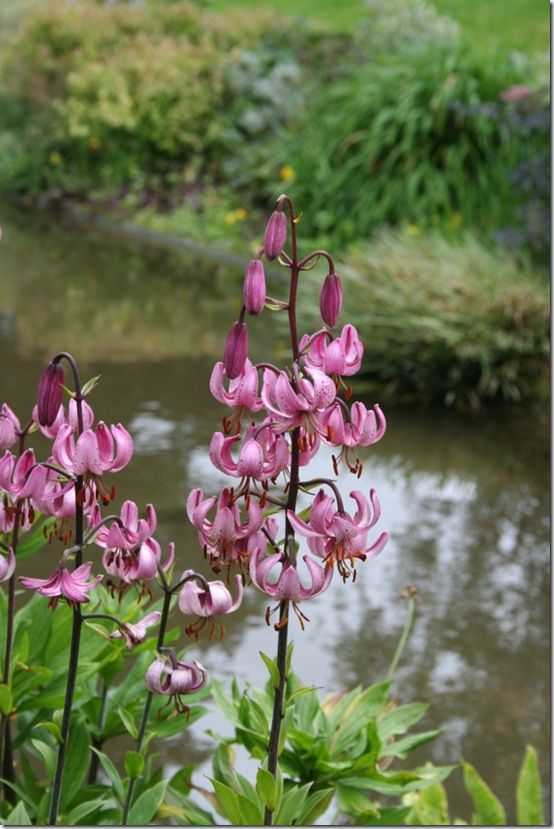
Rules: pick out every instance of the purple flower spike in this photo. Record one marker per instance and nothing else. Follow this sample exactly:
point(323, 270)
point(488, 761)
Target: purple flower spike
point(275, 234)
point(236, 350)
point(254, 287)
point(50, 394)
point(330, 299)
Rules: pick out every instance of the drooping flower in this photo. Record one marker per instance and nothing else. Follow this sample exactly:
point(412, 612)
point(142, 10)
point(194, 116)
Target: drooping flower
point(70, 418)
point(22, 481)
point(228, 539)
point(337, 537)
point(50, 394)
point(288, 585)
point(7, 565)
point(10, 427)
point(330, 299)
point(254, 287)
point(102, 449)
point(342, 356)
point(235, 351)
point(241, 396)
point(72, 586)
point(254, 461)
point(290, 407)
point(275, 234)
point(135, 633)
point(353, 427)
point(130, 552)
point(208, 603)
point(172, 678)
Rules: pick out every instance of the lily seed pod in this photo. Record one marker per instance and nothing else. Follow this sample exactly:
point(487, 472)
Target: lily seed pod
point(330, 299)
point(50, 394)
point(236, 349)
point(275, 234)
point(254, 287)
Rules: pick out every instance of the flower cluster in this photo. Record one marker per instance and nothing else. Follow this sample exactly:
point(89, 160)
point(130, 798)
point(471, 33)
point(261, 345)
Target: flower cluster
point(279, 418)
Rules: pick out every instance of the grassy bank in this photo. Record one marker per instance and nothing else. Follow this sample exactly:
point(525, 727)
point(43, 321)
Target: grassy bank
point(188, 118)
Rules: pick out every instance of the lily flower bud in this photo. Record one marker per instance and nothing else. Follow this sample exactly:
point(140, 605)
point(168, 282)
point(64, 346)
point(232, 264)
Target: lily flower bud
point(254, 287)
point(236, 350)
point(50, 394)
point(275, 234)
point(330, 299)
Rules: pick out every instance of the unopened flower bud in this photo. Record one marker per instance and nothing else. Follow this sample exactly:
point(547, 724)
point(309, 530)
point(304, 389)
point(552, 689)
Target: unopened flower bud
point(275, 234)
point(236, 350)
point(330, 299)
point(50, 394)
point(254, 287)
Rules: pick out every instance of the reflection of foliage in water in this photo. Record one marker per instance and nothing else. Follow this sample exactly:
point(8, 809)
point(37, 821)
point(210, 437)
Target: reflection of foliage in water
point(118, 300)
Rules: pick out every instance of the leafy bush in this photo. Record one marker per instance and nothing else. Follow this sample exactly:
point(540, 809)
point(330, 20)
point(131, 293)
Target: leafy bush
point(451, 320)
point(416, 136)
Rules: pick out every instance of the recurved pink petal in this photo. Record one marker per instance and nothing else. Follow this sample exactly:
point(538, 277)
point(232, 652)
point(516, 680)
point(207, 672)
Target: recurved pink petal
point(87, 455)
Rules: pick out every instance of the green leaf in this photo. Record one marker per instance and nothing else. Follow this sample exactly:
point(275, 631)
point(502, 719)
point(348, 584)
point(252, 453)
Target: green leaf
point(266, 786)
point(400, 719)
point(488, 809)
point(128, 721)
point(134, 764)
point(272, 668)
point(292, 805)
point(528, 791)
point(251, 813)
point(361, 708)
point(19, 817)
point(229, 802)
point(224, 703)
point(429, 807)
point(48, 755)
point(112, 773)
point(76, 762)
point(52, 728)
point(21, 794)
point(288, 661)
point(401, 748)
point(388, 816)
point(146, 806)
point(316, 804)
point(83, 810)
point(6, 702)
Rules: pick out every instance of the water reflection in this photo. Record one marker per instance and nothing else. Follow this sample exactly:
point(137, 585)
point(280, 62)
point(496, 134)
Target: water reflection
point(465, 499)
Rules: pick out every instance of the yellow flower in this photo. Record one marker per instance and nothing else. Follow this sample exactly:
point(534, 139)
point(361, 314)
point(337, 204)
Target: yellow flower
point(413, 230)
point(230, 217)
point(456, 220)
point(240, 214)
point(287, 173)
point(55, 159)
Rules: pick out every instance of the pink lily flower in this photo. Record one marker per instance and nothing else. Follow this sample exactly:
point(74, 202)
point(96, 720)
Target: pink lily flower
point(256, 461)
point(7, 566)
point(227, 538)
point(104, 449)
point(7, 517)
point(342, 355)
point(172, 678)
point(135, 530)
point(289, 408)
point(10, 427)
point(288, 585)
point(72, 586)
point(336, 536)
point(69, 419)
point(358, 427)
point(242, 395)
point(215, 601)
point(135, 633)
point(22, 477)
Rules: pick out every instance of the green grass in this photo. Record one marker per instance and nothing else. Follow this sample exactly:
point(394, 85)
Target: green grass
point(505, 25)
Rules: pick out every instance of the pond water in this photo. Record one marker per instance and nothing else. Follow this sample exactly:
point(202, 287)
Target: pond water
point(465, 498)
